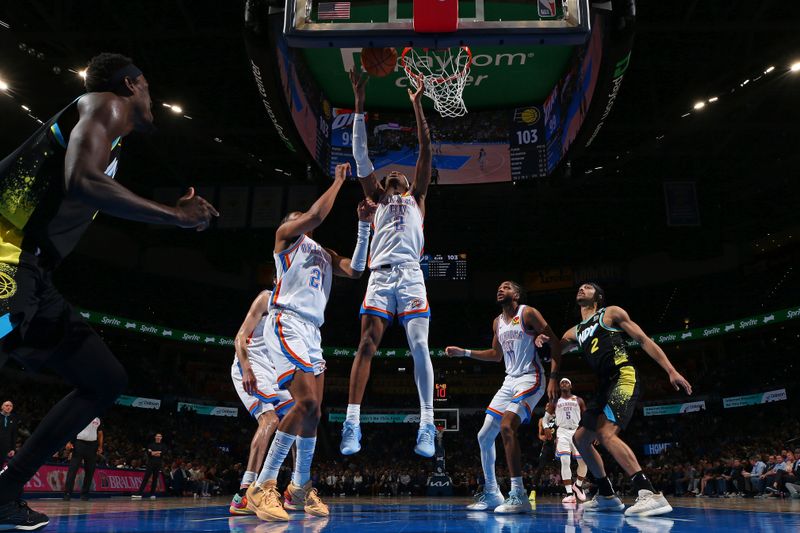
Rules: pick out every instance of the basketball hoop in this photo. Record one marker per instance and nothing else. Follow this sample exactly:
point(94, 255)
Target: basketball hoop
point(444, 74)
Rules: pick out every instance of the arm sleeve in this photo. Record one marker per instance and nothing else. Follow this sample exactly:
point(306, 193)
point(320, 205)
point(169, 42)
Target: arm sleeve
point(360, 152)
point(359, 261)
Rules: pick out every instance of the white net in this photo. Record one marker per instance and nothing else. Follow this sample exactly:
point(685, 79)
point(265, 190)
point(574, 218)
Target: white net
point(444, 73)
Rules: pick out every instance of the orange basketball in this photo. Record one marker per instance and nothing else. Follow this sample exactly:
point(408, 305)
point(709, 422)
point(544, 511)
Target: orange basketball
point(379, 61)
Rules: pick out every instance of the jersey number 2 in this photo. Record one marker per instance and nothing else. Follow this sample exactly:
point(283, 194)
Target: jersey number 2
point(594, 345)
point(400, 223)
point(316, 277)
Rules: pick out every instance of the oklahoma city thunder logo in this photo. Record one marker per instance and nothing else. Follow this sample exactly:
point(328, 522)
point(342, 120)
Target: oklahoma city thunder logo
point(8, 287)
point(515, 321)
point(416, 303)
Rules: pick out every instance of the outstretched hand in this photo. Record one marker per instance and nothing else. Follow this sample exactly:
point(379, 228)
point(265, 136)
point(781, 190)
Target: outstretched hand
point(194, 211)
point(416, 96)
point(541, 340)
point(680, 382)
point(342, 171)
point(359, 81)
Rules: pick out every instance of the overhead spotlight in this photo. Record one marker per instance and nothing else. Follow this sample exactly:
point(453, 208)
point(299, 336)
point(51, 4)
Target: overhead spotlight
point(712, 99)
point(745, 82)
point(699, 105)
point(82, 73)
point(769, 69)
point(685, 115)
point(3, 86)
point(176, 109)
point(795, 67)
point(26, 108)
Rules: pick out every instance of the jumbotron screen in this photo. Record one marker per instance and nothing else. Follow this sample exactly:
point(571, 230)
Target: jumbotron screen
point(452, 267)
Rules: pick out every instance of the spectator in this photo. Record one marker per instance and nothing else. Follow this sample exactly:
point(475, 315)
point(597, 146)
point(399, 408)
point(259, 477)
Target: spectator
point(8, 432)
point(155, 452)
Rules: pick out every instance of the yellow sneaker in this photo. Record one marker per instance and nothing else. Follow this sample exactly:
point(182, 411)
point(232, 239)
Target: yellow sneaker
point(265, 500)
point(307, 495)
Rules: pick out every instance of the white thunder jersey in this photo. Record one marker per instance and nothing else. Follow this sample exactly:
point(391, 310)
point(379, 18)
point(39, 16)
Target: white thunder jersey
point(256, 342)
point(398, 232)
point(568, 413)
point(304, 280)
point(519, 351)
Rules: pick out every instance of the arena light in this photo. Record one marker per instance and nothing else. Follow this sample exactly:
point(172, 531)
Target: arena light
point(745, 82)
point(713, 99)
point(769, 69)
point(3, 86)
point(26, 108)
point(82, 73)
point(685, 115)
point(795, 67)
point(176, 109)
point(699, 105)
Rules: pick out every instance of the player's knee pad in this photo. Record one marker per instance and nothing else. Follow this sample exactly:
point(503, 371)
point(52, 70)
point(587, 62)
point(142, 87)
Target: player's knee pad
point(566, 470)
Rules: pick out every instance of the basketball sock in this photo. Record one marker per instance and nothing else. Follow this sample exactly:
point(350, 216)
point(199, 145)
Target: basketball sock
point(305, 454)
point(566, 467)
point(579, 482)
point(248, 478)
point(278, 450)
point(486, 439)
point(604, 487)
point(516, 483)
point(568, 488)
point(641, 482)
point(353, 413)
point(417, 335)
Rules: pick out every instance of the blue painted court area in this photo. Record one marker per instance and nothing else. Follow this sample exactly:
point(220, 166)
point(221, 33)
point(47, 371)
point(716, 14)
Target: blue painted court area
point(397, 518)
point(408, 158)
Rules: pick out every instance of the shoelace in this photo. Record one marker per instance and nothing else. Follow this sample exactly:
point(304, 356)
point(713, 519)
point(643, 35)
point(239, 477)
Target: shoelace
point(513, 499)
point(426, 437)
point(273, 498)
point(480, 497)
point(349, 431)
point(313, 496)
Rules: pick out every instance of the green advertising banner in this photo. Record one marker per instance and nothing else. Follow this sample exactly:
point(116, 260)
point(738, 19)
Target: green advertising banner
point(675, 408)
point(208, 410)
point(136, 401)
point(378, 418)
point(755, 399)
point(208, 339)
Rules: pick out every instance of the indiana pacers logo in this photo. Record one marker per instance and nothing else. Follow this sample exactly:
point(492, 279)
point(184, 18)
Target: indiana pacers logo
point(8, 287)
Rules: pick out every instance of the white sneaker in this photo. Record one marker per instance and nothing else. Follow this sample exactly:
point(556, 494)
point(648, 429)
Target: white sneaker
point(650, 525)
point(569, 498)
point(136, 496)
point(486, 501)
point(649, 504)
point(603, 504)
point(579, 493)
point(517, 502)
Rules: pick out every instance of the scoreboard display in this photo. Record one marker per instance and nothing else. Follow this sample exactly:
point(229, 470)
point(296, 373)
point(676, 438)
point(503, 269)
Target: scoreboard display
point(452, 267)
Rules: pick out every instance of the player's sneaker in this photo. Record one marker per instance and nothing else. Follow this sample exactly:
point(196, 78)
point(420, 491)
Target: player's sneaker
point(239, 505)
point(603, 504)
point(292, 500)
point(649, 504)
point(306, 499)
point(17, 516)
point(579, 493)
point(486, 501)
point(351, 439)
point(136, 496)
point(517, 502)
point(532, 497)
point(265, 501)
point(426, 436)
point(569, 498)
point(650, 525)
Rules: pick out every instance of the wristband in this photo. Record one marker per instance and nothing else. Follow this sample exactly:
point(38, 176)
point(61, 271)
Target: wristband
point(467, 353)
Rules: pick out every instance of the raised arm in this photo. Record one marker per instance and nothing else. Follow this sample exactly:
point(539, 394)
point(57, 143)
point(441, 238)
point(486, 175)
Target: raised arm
point(311, 219)
point(568, 341)
point(354, 268)
point(422, 175)
point(254, 314)
point(535, 322)
point(495, 353)
point(364, 169)
point(85, 179)
point(619, 318)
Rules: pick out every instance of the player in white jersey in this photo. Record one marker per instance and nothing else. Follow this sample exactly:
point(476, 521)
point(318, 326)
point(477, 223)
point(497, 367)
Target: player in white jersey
point(255, 380)
point(396, 286)
point(304, 269)
point(567, 413)
point(514, 339)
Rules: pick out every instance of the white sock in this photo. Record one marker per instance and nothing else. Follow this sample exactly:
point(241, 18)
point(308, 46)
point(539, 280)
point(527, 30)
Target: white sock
point(579, 482)
point(486, 439)
point(248, 478)
point(278, 450)
point(353, 413)
point(305, 454)
point(417, 335)
point(516, 484)
point(569, 488)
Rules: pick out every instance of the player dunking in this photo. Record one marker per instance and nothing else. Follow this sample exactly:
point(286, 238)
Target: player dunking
point(256, 382)
point(599, 337)
point(51, 188)
point(567, 409)
point(514, 342)
point(396, 284)
point(304, 269)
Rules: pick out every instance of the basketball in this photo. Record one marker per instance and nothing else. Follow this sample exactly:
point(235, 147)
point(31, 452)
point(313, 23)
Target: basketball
point(379, 62)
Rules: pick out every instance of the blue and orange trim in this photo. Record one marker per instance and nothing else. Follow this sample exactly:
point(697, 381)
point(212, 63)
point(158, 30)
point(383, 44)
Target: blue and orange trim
point(405, 316)
point(295, 359)
point(494, 413)
point(375, 311)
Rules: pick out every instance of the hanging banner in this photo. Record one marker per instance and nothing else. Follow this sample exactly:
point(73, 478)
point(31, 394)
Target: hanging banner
point(755, 399)
point(675, 408)
point(734, 326)
point(52, 478)
point(135, 401)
